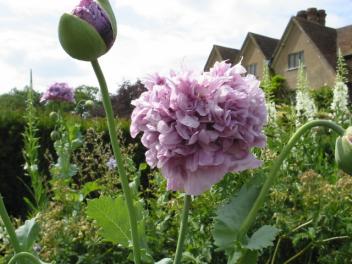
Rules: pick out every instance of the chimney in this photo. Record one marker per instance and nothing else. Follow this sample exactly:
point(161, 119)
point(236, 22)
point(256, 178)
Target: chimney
point(302, 14)
point(313, 15)
point(322, 17)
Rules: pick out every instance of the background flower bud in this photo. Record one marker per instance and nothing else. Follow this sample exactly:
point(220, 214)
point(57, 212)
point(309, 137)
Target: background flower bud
point(343, 151)
point(89, 104)
point(54, 135)
point(53, 116)
point(90, 31)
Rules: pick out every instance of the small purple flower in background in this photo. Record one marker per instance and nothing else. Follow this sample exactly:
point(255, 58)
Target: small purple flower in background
point(111, 164)
point(37, 248)
point(91, 12)
point(58, 92)
point(198, 127)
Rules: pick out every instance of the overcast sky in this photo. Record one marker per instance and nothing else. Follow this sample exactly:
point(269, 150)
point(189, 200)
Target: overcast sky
point(153, 35)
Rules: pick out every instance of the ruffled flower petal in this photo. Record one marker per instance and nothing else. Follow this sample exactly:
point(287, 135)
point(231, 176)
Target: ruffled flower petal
point(199, 127)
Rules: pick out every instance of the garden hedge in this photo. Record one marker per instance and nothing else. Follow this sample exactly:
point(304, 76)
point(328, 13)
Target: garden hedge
point(12, 175)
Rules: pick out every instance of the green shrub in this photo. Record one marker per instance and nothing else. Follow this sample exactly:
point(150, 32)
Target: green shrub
point(322, 97)
point(11, 144)
point(69, 237)
point(310, 202)
point(281, 94)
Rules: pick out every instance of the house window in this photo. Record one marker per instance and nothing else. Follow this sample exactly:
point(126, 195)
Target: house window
point(294, 59)
point(252, 69)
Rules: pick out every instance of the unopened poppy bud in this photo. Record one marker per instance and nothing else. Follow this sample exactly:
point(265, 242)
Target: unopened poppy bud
point(54, 116)
point(90, 31)
point(343, 151)
point(54, 135)
point(89, 104)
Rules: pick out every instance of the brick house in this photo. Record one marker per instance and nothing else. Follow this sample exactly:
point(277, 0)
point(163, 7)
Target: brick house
point(305, 39)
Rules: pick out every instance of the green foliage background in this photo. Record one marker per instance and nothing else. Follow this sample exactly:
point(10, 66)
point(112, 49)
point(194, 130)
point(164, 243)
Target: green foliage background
point(310, 202)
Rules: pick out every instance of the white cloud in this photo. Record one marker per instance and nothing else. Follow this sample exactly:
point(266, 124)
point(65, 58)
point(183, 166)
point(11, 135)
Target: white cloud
point(39, 7)
point(154, 35)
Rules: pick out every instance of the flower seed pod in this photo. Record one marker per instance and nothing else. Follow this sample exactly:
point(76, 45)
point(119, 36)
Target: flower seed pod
point(89, 104)
point(54, 135)
point(90, 31)
point(343, 151)
point(54, 116)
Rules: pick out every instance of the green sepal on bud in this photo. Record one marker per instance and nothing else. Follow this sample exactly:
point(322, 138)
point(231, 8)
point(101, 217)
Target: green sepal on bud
point(343, 151)
point(79, 36)
point(105, 5)
point(79, 39)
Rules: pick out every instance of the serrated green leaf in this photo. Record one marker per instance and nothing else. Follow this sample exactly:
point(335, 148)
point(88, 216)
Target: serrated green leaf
point(89, 187)
point(262, 238)
point(234, 257)
point(112, 217)
point(164, 261)
point(223, 235)
point(143, 166)
point(299, 237)
point(248, 257)
point(229, 218)
point(146, 257)
point(27, 234)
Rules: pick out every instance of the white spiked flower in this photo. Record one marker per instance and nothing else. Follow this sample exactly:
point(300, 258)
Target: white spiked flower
point(339, 105)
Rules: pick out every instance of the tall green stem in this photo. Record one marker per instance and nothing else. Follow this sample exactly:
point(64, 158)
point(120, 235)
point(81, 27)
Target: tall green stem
point(9, 228)
point(183, 229)
point(276, 166)
point(119, 159)
point(23, 256)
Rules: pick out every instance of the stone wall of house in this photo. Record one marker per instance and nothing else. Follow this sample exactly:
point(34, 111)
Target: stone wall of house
point(319, 72)
point(252, 55)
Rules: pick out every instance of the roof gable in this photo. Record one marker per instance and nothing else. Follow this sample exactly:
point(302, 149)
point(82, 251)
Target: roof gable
point(265, 44)
point(323, 39)
point(224, 53)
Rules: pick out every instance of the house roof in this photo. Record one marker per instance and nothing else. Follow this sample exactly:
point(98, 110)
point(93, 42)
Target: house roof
point(323, 38)
point(224, 53)
point(266, 44)
point(227, 53)
point(344, 40)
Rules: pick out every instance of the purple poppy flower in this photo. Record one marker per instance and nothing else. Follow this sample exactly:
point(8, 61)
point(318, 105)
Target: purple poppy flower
point(198, 127)
point(91, 12)
point(58, 92)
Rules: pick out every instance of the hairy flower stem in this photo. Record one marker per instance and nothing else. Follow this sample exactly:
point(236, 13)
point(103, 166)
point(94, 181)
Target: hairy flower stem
point(23, 256)
point(183, 229)
point(9, 228)
point(118, 157)
point(248, 221)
